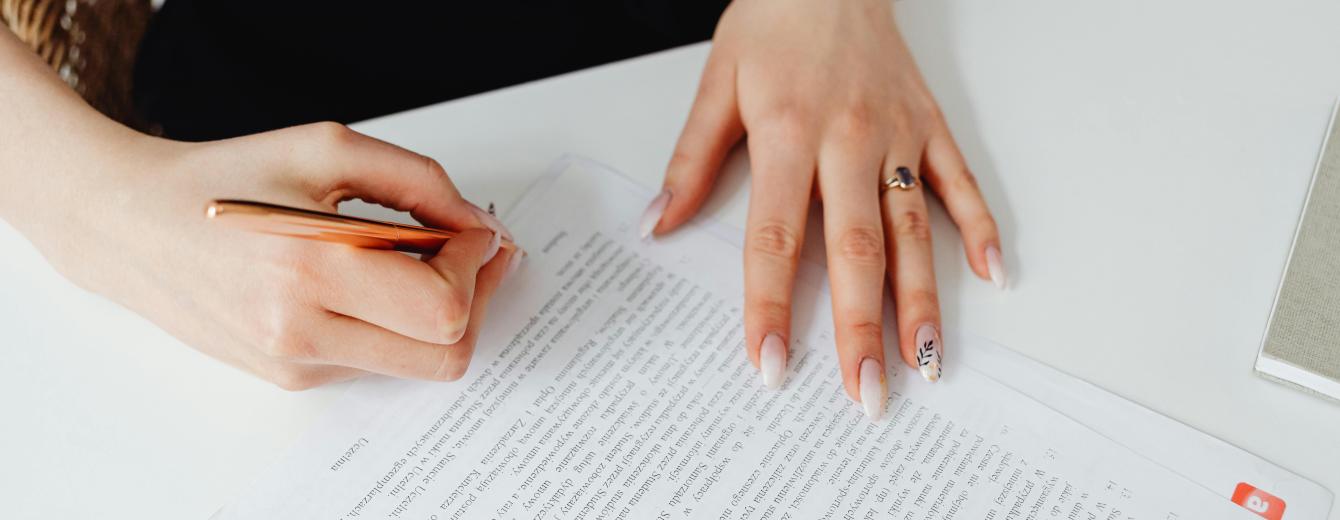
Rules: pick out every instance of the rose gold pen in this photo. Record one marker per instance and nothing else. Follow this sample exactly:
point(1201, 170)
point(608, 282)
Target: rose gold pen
point(329, 227)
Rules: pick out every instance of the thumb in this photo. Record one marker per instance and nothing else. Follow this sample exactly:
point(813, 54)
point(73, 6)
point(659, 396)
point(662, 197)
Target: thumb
point(339, 164)
point(713, 127)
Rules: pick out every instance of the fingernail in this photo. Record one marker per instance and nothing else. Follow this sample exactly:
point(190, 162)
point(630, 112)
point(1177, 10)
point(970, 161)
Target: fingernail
point(495, 244)
point(514, 263)
point(929, 352)
point(994, 267)
point(872, 385)
point(652, 216)
point(490, 221)
point(772, 360)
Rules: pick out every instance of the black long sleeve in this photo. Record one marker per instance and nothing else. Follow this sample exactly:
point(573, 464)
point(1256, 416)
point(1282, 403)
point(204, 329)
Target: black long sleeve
point(210, 69)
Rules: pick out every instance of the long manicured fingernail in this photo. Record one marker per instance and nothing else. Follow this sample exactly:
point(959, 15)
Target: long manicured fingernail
point(652, 216)
point(514, 263)
point(994, 267)
point(495, 244)
point(772, 360)
point(930, 352)
point(873, 388)
point(490, 221)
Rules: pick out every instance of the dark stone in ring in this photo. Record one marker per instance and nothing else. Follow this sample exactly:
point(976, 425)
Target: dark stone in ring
point(905, 177)
point(902, 179)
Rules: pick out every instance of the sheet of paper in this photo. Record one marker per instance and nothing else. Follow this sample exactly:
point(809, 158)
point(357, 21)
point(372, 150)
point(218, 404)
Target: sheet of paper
point(1214, 464)
point(612, 383)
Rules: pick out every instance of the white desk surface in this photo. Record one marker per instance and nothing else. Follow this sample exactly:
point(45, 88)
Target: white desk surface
point(1146, 160)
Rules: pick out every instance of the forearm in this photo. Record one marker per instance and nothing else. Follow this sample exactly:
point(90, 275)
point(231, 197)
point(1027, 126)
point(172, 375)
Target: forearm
point(53, 145)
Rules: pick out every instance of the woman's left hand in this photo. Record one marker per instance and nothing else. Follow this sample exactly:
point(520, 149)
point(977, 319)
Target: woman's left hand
point(833, 104)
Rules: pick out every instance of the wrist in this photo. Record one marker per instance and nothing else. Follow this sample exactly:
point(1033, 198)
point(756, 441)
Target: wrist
point(50, 174)
point(76, 206)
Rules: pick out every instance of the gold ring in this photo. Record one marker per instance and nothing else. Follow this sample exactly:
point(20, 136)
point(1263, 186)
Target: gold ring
point(902, 179)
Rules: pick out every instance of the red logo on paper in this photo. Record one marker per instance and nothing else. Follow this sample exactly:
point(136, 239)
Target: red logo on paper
point(1264, 504)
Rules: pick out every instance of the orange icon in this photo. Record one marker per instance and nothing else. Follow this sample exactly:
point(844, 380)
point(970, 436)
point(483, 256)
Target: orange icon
point(1264, 504)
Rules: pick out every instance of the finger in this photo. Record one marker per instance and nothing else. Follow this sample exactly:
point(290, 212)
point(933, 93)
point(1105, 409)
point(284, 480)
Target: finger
point(459, 268)
point(712, 129)
point(337, 164)
point(428, 301)
point(853, 231)
point(778, 204)
point(486, 285)
point(947, 173)
point(283, 373)
point(354, 343)
point(300, 376)
point(911, 270)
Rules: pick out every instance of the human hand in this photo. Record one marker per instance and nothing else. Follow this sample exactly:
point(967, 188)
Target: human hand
point(295, 312)
point(833, 104)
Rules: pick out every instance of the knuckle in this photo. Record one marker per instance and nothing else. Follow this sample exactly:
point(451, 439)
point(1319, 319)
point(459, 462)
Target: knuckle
point(683, 156)
point(286, 347)
point(283, 339)
point(457, 307)
point(857, 121)
point(775, 240)
point(964, 181)
point(291, 275)
point(325, 143)
point(866, 332)
point(924, 302)
point(453, 364)
point(983, 223)
point(863, 245)
point(451, 308)
point(912, 225)
point(904, 124)
point(771, 312)
point(713, 79)
point(435, 169)
point(785, 121)
point(292, 265)
point(330, 132)
point(932, 110)
point(920, 106)
point(292, 379)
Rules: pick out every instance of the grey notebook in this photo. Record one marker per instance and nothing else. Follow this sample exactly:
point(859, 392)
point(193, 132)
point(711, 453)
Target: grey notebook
point(1302, 341)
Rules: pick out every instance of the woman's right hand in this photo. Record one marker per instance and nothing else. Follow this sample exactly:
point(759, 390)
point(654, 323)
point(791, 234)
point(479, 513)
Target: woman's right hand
point(298, 313)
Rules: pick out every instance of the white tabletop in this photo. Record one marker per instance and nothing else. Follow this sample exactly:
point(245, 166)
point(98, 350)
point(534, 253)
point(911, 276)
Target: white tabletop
point(1146, 160)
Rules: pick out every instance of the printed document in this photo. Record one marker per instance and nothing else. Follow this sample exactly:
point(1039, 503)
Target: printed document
point(611, 382)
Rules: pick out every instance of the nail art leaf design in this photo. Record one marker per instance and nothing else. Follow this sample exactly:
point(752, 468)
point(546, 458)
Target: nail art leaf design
point(926, 354)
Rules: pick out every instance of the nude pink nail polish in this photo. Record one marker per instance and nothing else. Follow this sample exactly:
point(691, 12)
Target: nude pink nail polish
point(995, 267)
point(514, 263)
point(491, 222)
point(495, 244)
point(772, 360)
point(873, 388)
point(652, 216)
point(930, 352)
